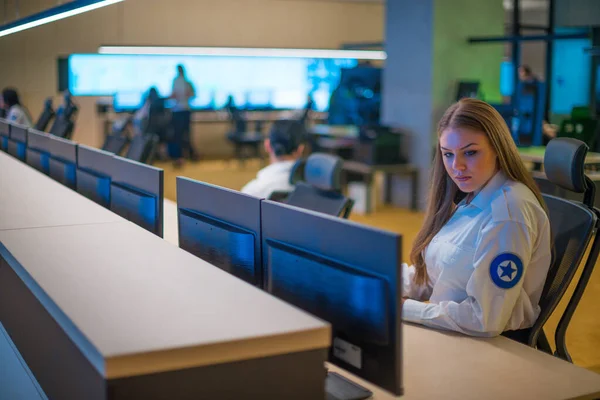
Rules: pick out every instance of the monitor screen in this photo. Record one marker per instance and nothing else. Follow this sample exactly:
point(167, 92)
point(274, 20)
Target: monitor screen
point(224, 245)
point(356, 305)
point(63, 172)
point(128, 101)
point(17, 149)
point(4, 128)
point(134, 205)
point(214, 78)
point(343, 273)
point(94, 186)
point(38, 159)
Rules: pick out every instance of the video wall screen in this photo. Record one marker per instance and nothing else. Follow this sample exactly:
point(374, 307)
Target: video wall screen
point(253, 82)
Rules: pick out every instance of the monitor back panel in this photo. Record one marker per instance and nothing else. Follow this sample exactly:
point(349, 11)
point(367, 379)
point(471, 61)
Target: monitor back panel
point(38, 160)
point(38, 150)
point(222, 227)
point(17, 144)
point(63, 161)
point(346, 274)
point(136, 193)
point(4, 134)
point(94, 171)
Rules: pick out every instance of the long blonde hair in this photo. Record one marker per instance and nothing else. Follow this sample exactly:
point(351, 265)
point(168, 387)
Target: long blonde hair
point(479, 116)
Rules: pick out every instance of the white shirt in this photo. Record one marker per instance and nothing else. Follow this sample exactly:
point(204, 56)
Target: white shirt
point(487, 265)
point(182, 92)
point(275, 177)
point(17, 114)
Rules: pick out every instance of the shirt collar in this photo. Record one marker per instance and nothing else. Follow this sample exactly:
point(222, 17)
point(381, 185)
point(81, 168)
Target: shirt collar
point(485, 195)
point(276, 168)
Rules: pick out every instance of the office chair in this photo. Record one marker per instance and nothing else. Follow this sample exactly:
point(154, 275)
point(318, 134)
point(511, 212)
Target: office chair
point(46, 116)
point(115, 143)
point(319, 190)
point(243, 139)
point(143, 148)
point(573, 226)
point(64, 122)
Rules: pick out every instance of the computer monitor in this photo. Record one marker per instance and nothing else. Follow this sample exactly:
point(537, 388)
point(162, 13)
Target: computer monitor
point(345, 273)
point(94, 171)
point(38, 150)
point(136, 193)
point(4, 134)
point(220, 226)
point(17, 144)
point(467, 89)
point(128, 101)
point(63, 161)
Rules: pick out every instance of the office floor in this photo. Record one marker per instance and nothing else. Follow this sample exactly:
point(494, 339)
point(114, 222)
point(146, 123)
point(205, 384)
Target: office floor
point(583, 339)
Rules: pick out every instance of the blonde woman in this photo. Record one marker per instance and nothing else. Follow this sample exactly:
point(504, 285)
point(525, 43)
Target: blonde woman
point(479, 265)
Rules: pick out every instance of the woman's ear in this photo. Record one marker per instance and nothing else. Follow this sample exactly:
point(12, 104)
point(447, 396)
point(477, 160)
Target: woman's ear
point(267, 144)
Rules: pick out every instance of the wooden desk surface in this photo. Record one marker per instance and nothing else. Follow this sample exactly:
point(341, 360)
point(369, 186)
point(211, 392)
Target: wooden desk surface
point(170, 223)
point(442, 365)
point(338, 131)
point(536, 154)
point(30, 199)
point(135, 304)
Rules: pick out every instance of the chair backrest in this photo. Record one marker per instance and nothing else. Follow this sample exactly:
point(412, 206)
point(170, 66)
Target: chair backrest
point(142, 148)
point(115, 144)
point(62, 127)
point(320, 189)
point(573, 224)
point(45, 117)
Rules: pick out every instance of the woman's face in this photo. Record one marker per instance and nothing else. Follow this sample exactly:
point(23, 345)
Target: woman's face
point(469, 158)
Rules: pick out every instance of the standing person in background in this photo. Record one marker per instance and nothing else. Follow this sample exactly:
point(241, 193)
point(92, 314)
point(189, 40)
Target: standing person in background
point(15, 112)
point(183, 91)
point(526, 74)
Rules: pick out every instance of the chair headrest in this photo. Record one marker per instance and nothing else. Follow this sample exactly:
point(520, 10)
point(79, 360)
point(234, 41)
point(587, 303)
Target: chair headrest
point(564, 163)
point(323, 171)
point(297, 172)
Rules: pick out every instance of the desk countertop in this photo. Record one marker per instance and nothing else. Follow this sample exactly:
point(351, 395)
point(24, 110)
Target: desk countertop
point(536, 154)
point(136, 304)
point(444, 365)
point(30, 199)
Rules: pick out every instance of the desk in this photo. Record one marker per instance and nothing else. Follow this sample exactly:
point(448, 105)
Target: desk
point(440, 365)
point(335, 131)
point(366, 172)
point(100, 308)
point(170, 231)
point(30, 199)
point(536, 154)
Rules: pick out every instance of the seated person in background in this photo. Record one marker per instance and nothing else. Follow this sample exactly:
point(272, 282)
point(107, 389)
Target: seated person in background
point(15, 112)
point(480, 263)
point(284, 147)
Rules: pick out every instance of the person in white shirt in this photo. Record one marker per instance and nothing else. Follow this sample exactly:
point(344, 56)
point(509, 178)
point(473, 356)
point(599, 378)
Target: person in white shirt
point(15, 112)
point(479, 266)
point(183, 91)
point(284, 146)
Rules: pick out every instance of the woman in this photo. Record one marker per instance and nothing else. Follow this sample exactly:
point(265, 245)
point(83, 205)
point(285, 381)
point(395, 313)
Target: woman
point(15, 112)
point(479, 265)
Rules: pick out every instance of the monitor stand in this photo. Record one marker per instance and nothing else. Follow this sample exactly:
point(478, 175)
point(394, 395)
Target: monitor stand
point(339, 388)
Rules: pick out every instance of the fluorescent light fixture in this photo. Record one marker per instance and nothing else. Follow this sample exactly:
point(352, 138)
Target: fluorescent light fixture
point(243, 52)
point(54, 14)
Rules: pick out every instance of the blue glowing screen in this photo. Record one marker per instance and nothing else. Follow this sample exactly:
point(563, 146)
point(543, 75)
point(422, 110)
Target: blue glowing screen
point(226, 246)
point(277, 83)
point(353, 302)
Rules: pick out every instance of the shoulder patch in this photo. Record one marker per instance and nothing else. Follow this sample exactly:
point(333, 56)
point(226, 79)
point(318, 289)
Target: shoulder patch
point(506, 270)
